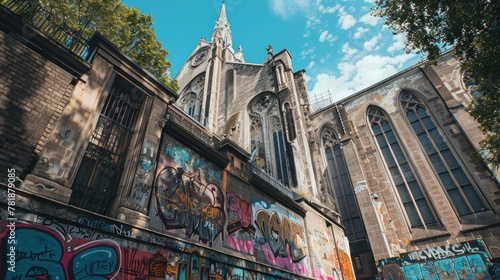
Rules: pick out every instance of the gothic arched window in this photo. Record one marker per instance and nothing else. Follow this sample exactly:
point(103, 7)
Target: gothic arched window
point(461, 192)
point(191, 101)
point(191, 104)
point(267, 138)
point(342, 186)
point(410, 192)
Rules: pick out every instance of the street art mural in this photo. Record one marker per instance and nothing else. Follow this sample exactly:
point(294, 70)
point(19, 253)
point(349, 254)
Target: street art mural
point(467, 260)
point(280, 236)
point(343, 252)
point(188, 193)
point(240, 228)
point(51, 252)
point(325, 261)
point(41, 253)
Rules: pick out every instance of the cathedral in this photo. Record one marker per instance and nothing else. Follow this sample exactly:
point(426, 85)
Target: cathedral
point(110, 174)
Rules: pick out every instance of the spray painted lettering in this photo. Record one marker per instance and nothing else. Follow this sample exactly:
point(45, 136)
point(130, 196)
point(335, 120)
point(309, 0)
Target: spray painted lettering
point(284, 237)
point(188, 195)
point(41, 253)
point(442, 252)
point(465, 260)
point(240, 228)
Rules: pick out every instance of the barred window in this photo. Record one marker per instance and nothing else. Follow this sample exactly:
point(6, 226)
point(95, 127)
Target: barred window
point(411, 193)
point(459, 188)
point(342, 186)
point(99, 174)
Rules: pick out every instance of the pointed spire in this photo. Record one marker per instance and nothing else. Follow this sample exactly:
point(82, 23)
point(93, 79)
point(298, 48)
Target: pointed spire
point(222, 15)
point(222, 33)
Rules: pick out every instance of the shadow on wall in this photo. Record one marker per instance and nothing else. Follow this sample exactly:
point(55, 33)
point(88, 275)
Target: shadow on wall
point(23, 116)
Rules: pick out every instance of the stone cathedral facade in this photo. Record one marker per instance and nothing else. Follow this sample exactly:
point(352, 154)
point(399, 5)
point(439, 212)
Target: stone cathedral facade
point(109, 174)
point(395, 162)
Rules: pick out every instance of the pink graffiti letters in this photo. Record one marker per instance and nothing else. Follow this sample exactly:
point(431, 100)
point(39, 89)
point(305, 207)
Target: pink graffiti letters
point(242, 211)
point(240, 228)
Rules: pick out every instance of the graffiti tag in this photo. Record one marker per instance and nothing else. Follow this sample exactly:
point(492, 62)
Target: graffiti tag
point(282, 235)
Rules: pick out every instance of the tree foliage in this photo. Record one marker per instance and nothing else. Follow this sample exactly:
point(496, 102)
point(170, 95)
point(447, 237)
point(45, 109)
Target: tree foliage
point(472, 28)
point(127, 28)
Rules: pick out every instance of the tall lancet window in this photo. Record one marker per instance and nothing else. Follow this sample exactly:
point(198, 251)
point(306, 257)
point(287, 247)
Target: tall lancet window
point(342, 186)
point(412, 196)
point(461, 191)
point(191, 100)
point(267, 138)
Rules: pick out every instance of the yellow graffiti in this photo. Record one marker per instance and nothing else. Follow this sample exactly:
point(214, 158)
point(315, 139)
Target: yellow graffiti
point(282, 232)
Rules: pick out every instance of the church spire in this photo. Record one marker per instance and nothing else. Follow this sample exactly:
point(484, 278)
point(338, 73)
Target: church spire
point(222, 34)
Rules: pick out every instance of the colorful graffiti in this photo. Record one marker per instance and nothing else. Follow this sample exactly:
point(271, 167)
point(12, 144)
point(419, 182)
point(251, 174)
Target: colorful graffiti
point(240, 228)
point(280, 237)
point(47, 253)
point(284, 237)
point(465, 260)
point(188, 195)
point(324, 260)
point(343, 252)
point(140, 192)
point(41, 253)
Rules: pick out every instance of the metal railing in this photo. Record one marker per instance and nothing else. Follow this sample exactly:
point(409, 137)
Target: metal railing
point(47, 23)
point(321, 101)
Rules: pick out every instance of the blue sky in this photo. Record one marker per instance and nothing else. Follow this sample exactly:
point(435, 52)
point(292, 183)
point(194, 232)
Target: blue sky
point(340, 45)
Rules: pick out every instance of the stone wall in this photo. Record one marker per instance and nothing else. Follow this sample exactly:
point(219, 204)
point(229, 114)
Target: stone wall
point(33, 93)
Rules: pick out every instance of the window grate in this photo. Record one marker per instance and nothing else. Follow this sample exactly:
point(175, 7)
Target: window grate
point(99, 174)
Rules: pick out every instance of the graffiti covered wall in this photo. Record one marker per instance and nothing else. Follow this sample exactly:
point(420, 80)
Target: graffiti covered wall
point(240, 226)
point(324, 260)
point(53, 249)
point(189, 199)
point(467, 260)
point(343, 251)
point(280, 236)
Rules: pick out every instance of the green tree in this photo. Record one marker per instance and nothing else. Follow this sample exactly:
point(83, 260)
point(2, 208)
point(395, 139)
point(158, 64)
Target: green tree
point(127, 28)
point(472, 28)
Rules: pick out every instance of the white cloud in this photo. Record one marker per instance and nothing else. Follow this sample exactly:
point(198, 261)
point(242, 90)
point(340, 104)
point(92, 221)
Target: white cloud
point(312, 21)
point(371, 45)
point(369, 19)
point(359, 32)
point(355, 76)
point(286, 9)
point(327, 36)
point(348, 51)
point(306, 51)
point(310, 65)
point(346, 20)
point(324, 59)
point(398, 44)
point(328, 10)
